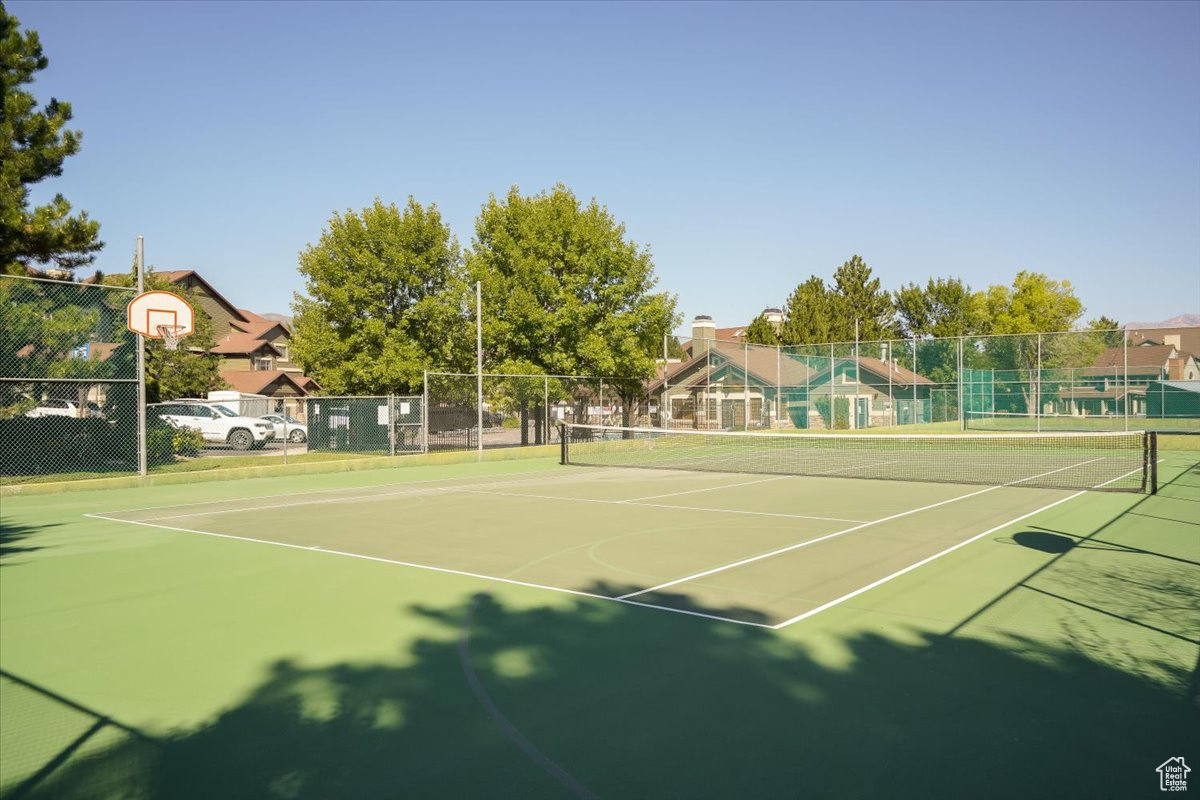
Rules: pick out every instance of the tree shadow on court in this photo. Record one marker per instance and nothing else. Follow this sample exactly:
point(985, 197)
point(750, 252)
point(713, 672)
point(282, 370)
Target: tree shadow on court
point(14, 540)
point(585, 698)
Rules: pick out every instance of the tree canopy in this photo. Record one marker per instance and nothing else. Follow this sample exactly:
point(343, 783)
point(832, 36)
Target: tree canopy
point(760, 331)
point(859, 296)
point(943, 307)
point(34, 143)
point(384, 300)
point(809, 314)
point(564, 288)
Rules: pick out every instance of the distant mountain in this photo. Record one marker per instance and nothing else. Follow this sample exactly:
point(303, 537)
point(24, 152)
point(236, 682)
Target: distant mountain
point(284, 318)
point(1181, 321)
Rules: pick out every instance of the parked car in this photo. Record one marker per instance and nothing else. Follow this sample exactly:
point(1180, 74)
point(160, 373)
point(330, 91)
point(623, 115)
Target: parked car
point(216, 423)
point(65, 408)
point(297, 431)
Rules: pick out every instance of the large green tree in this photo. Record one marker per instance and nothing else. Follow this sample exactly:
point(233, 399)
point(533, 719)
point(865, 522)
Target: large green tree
point(1034, 303)
point(942, 307)
point(809, 315)
point(34, 142)
point(565, 289)
point(760, 331)
point(858, 295)
point(384, 300)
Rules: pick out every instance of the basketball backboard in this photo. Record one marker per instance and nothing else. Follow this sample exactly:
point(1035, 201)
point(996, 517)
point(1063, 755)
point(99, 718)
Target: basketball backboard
point(150, 312)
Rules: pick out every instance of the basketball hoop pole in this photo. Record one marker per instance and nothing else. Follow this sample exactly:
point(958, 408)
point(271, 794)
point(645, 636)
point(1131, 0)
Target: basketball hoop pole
point(141, 366)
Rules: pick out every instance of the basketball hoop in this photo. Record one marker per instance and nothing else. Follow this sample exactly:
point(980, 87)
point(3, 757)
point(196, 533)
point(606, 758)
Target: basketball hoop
point(161, 315)
point(170, 335)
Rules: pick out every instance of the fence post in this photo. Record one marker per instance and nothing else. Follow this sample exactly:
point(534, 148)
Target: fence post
point(284, 414)
point(479, 365)
point(546, 408)
point(663, 408)
point(891, 360)
point(777, 423)
point(1037, 387)
point(141, 367)
point(1125, 359)
point(832, 390)
point(425, 411)
point(745, 385)
point(916, 403)
point(962, 422)
point(391, 418)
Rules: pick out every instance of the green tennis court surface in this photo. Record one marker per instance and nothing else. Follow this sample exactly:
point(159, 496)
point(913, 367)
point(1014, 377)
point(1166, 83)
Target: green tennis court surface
point(528, 629)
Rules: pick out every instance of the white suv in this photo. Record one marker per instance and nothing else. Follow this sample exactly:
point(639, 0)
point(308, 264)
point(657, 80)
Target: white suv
point(216, 423)
point(66, 408)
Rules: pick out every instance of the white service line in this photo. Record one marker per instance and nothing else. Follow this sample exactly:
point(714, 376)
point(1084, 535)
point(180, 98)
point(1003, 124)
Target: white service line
point(950, 549)
point(446, 570)
point(658, 505)
point(843, 532)
point(921, 563)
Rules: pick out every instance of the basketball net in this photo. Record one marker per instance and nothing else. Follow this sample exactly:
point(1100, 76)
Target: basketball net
point(170, 335)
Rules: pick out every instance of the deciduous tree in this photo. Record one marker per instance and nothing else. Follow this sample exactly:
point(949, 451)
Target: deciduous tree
point(943, 307)
point(565, 289)
point(384, 300)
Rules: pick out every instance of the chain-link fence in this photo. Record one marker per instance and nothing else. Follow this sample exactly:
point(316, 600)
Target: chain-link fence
point(68, 381)
point(524, 410)
point(1084, 380)
point(380, 425)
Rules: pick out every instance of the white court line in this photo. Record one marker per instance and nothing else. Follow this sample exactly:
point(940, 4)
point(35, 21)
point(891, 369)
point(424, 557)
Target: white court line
point(316, 491)
point(767, 480)
point(843, 532)
point(658, 505)
point(951, 549)
point(704, 489)
point(351, 498)
point(445, 570)
point(921, 563)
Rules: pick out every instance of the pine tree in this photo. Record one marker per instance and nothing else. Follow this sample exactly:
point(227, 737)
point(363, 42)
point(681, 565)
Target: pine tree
point(33, 145)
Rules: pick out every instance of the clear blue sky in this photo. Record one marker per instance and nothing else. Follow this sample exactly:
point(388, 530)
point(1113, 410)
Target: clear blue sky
point(748, 145)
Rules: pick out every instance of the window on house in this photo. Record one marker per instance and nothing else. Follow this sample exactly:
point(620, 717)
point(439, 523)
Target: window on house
point(283, 351)
point(262, 364)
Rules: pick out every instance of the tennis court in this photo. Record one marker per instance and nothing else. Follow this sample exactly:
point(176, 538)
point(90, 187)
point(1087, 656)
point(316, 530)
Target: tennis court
point(691, 615)
point(691, 537)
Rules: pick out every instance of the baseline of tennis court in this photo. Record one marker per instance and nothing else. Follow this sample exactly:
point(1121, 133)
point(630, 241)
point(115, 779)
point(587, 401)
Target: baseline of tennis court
point(751, 549)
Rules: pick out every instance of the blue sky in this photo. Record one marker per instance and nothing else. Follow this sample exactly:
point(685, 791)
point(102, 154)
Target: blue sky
point(748, 145)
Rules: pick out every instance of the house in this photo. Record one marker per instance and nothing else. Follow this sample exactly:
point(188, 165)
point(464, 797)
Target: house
point(1120, 377)
point(255, 351)
point(1184, 339)
point(727, 384)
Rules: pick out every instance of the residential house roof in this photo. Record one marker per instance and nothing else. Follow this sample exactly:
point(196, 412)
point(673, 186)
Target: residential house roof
point(239, 343)
point(254, 382)
point(767, 367)
point(1189, 337)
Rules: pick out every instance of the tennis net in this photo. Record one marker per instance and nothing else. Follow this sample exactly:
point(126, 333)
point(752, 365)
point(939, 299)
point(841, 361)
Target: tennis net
point(1108, 461)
